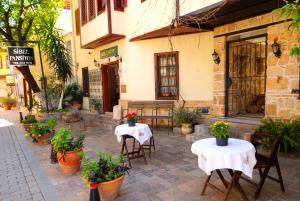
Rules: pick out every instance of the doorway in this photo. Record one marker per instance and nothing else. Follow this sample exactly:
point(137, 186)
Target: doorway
point(246, 76)
point(110, 85)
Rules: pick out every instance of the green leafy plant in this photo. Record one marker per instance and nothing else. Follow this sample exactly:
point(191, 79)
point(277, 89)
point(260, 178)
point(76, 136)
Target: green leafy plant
point(51, 122)
point(63, 141)
point(220, 129)
point(72, 93)
point(96, 105)
point(289, 130)
point(185, 116)
point(106, 166)
point(29, 119)
point(39, 129)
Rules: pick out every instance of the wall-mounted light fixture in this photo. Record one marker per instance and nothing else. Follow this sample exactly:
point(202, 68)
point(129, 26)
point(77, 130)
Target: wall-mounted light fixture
point(216, 57)
point(118, 58)
point(97, 63)
point(276, 48)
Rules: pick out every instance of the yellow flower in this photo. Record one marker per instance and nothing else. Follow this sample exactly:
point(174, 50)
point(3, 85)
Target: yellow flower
point(26, 135)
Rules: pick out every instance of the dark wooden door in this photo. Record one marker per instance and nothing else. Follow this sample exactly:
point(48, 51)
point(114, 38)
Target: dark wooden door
point(111, 86)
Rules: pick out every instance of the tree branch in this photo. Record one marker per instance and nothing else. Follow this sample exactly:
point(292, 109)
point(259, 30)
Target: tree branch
point(27, 29)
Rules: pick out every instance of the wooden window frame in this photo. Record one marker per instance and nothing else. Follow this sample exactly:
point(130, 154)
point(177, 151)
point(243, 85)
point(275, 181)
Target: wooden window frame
point(77, 21)
point(91, 15)
point(157, 75)
point(116, 8)
point(85, 83)
point(101, 10)
point(83, 12)
point(142, 1)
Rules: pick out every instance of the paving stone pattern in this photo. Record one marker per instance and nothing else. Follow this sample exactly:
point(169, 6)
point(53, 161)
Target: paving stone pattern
point(17, 182)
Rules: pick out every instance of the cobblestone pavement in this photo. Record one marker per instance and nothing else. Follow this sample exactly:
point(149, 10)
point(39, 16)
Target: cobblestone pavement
point(172, 173)
point(18, 179)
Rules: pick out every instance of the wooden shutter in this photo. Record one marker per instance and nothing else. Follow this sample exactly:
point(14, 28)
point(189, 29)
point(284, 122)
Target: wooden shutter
point(77, 22)
point(83, 7)
point(92, 9)
point(100, 6)
point(85, 82)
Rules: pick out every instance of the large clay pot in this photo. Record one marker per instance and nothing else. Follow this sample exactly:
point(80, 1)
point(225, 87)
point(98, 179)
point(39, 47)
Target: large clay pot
point(7, 107)
point(186, 129)
point(69, 161)
point(45, 139)
point(110, 190)
point(76, 105)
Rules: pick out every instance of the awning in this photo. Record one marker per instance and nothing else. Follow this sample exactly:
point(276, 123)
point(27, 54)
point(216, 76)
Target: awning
point(228, 11)
point(167, 31)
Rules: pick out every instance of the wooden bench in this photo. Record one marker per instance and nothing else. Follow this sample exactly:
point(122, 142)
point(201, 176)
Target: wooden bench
point(156, 108)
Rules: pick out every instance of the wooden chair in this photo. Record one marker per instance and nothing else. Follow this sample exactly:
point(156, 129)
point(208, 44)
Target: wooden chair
point(266, 155)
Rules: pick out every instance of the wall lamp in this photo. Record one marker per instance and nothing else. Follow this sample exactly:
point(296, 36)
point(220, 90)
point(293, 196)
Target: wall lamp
point(118, 58)
point(276, 48)
point(97, 64)
point(216, 57)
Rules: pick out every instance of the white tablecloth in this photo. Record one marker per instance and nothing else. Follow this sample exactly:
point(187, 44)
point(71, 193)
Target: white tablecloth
point(141, 132)
point(237, 155)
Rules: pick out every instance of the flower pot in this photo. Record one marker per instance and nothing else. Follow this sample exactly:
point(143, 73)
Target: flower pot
point(27, 126)
point(186, 129)
point(75, 105)
point(222, 141)
point(44, 139)
point(131, 123)
point(110, 190)
point(7, 107)
point(69, 161)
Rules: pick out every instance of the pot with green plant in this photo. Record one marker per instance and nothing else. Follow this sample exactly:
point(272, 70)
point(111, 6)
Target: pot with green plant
point(97, 106)
point(186, 118)
point(221, 130)
point(110, 173)
point(8, 103)
point(41, 133)
point(28, 121)
point(69, 150)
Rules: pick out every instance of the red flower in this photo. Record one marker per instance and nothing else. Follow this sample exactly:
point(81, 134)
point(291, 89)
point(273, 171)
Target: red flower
point(131, 116)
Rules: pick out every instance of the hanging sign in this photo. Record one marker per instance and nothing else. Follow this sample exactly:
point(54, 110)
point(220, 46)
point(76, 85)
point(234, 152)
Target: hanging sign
point(109, 52)
point(20, 56)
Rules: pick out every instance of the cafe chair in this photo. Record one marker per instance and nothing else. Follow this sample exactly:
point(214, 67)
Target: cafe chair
point(266, 155)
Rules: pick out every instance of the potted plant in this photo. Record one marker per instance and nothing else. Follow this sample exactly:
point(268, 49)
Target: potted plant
point(97, 106)
point(186, 118)
point(43, 132)
point(131, 119)
point(220, 130)
point(28, 121)
point(8, 103)
point(110, 173)
point(73, 96)
point(68, 149)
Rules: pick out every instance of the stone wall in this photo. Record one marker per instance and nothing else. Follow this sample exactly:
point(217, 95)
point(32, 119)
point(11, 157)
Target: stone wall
point(282, 73)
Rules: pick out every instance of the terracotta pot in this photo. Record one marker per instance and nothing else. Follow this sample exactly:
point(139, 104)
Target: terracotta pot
point(7, 107)
point(110, 190)
point(27, 126)
point(76, 105)
point(186, 129)
point(69, 161)
point(45, 139)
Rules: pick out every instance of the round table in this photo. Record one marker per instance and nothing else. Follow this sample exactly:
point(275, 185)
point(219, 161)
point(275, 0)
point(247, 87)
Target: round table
point(140, 132)
point(238, 157)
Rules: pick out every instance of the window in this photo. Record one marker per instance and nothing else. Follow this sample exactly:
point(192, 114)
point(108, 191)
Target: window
point(85, 82)
point(83, 12)
point(119, 5)
point(77, 22)
point(167, 75)
point(92, 9)
point(100, 6)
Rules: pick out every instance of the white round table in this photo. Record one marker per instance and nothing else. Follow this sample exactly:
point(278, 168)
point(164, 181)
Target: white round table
point(238, 157)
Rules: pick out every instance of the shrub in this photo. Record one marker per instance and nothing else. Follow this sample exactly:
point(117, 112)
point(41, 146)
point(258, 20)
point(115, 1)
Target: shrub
point(63, 141)
point(9, 101)
point(106, 166)
point(220, 129)
point(72, 93)
point(29, 119)
point(184, 115)
point(289, 130)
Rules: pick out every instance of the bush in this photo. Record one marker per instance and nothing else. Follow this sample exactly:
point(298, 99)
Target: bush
point(106, 167)
point(29, 119)
point(9, 101)
point(63, 141)
point(185, 116)
point(289, 130)
point(72, 93)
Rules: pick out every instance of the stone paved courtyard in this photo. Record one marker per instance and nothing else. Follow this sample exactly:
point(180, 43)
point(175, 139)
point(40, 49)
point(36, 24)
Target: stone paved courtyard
point(172, 172)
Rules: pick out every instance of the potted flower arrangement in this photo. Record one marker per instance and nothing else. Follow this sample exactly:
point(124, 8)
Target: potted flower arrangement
point(68, 149)
point(186, 118)
point(8, 103)
point(131, 119)
point(220, 130)
point(28, 121)
point(110, 173)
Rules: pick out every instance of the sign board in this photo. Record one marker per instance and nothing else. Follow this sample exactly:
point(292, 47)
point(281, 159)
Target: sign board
point(109, 52)
point(20, 56)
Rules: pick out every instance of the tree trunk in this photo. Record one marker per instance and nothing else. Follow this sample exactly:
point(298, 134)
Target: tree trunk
point(29, 78)
point(61, 97)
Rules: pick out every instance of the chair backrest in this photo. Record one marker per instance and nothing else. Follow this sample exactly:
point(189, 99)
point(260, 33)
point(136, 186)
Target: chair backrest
point(268, 142)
